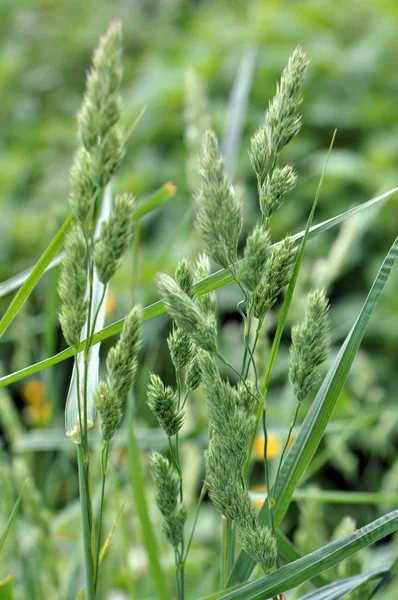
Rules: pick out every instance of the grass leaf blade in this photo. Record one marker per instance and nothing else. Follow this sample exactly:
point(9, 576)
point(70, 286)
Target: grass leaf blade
point(38, 270)
point(300, 571)
point(11, 518)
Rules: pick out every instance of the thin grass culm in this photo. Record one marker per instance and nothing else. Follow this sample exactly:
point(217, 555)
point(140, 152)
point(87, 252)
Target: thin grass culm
point(91, 256)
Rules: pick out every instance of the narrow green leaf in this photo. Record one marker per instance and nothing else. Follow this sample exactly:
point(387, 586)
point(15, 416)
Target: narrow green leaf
point(289, 551)
point(156, 199)
point(387, 577)
point(6, 587)
point(340, 589)
point(138, 487)
point(210, 283)
point(337, 497)
point(38, 270)
point(319, 414)
point(300, 571)
point(11, 518)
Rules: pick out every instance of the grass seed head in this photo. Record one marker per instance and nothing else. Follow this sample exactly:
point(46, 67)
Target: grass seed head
point(162, 401)
point(115, 237)
point(310, 345)
point(276, 276)
point(219, 217)
point(278, 183)
point(72, 286)
point(255, 255)
point(183, 310)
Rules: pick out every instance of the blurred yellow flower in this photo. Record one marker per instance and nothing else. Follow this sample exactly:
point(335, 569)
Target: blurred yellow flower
point(274, 446)
point(40, 413)
point(110, 303)
point(34, 392)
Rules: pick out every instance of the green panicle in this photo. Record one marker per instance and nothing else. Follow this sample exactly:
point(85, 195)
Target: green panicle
point(167, 489)
point(276, 276)
point(180, 347)
point(219, 217)
point(208, 302)
point(82, 184)
point(109, 408)
point(173, 526)
point(101, 140)
point(183, 310)
point(166, 483)
point(184, 276)
point(121, 361)
point(72, 286)
point(226, 491)
point(114, 239)
point(255, 255)
point(310, 345)
point(260, 544)
point(282, 118)
point(162, 401)
point(278, 183)
point(121, 365)
point(193, 377)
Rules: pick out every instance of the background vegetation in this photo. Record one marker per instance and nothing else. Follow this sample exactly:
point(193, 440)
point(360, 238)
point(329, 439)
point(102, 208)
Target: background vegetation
point(352, 86)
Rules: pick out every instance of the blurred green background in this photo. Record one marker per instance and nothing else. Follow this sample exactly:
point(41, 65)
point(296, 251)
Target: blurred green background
point(183, 61)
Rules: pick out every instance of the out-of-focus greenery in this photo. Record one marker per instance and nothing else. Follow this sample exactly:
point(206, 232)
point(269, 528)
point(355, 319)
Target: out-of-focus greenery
point(352, 85)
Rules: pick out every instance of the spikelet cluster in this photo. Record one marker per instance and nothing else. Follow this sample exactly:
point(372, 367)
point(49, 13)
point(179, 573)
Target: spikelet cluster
point(275, 277)
point(254, 259)
point(219, 216)
point(282, 118)
point(162, 400)
point(278, 183)
point(72, 286)
point(310, 345)
point(101, 139)
point(179, 342)
point(167, 489)
point(232, 419)
point(121, 369)
point(186, 314)
point(115, 237)
point(208, 302)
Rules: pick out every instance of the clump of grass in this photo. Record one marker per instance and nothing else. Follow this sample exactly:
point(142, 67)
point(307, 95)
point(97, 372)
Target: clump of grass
point(235, 406)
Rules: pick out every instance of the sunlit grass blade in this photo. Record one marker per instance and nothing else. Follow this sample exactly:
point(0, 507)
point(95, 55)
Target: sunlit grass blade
point(319, 414)
point(206, 285)
point(341, 589)
point(11, 518)
point(138, 486)
point(34, 276)
point(300, 571)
